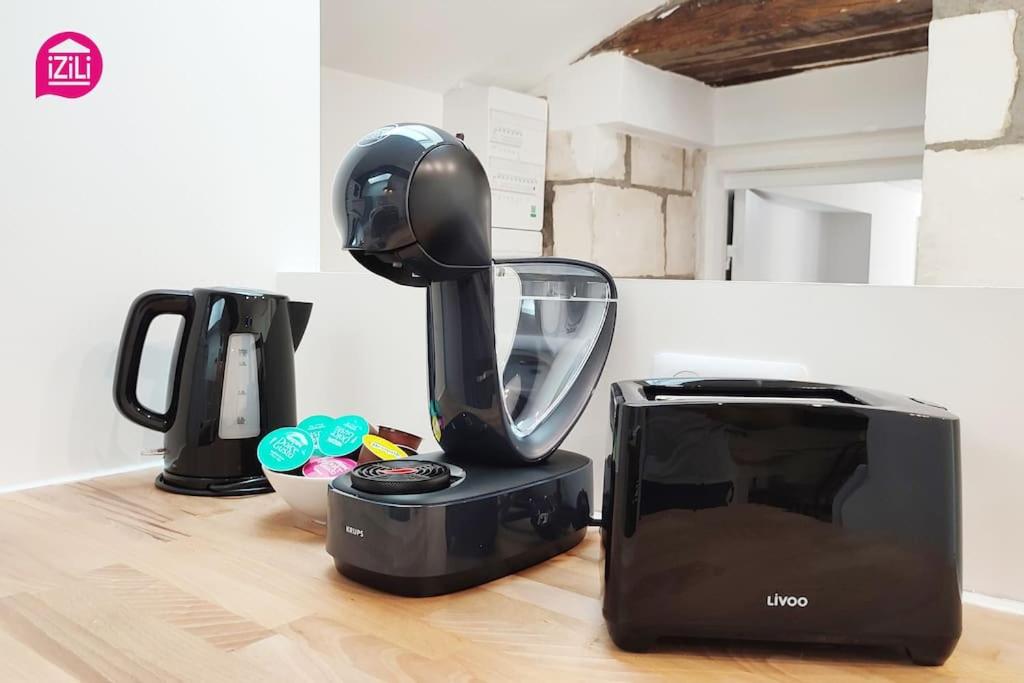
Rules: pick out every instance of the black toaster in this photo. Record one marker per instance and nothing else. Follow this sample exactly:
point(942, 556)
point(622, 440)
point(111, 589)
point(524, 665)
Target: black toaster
point(781, 511)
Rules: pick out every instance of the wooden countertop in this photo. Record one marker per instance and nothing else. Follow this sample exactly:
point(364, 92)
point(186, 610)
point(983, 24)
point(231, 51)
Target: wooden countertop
point(113, 579)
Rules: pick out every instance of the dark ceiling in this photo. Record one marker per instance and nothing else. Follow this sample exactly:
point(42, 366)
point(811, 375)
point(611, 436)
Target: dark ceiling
point(725, 42)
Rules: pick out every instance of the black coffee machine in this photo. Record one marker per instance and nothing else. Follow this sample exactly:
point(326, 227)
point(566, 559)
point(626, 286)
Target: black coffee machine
point(232, 382)
point(515, 349)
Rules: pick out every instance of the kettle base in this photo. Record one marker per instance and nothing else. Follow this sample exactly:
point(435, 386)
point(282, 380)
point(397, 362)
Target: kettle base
point(220, 487)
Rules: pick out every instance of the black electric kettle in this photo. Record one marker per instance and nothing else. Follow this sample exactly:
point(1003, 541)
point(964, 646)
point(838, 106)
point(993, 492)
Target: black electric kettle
point(232, 382)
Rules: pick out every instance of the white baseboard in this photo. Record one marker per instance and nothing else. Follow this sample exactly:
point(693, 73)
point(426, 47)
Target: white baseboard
point(1000, 604)
point(82, 476)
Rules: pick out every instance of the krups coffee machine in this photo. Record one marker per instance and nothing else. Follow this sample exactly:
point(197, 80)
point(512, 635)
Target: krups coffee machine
point(515, 349)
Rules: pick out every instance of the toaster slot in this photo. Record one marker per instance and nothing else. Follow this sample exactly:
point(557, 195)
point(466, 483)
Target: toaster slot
point(755, 390)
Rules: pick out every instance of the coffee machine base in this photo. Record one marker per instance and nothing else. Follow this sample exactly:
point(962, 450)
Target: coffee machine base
point(204, 486)
point(470, 524)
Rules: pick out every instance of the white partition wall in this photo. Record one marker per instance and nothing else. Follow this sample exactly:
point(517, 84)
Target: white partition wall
point(958, 347)
point(192, 163)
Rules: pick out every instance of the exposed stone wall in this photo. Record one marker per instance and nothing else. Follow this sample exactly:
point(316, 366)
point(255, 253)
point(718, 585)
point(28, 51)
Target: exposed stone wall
point(972, 222)
point(628, 204)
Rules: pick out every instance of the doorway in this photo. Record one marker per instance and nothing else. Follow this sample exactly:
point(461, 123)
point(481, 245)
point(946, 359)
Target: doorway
point(842, 233)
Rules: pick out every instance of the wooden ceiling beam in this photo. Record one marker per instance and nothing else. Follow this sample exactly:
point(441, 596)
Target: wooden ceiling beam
point(789, 62)
point(722, 42)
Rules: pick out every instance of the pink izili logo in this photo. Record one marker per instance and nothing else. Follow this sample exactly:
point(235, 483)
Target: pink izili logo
point(68, 65)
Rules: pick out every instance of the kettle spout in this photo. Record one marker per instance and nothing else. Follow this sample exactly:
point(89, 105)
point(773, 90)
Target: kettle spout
point(298, 314)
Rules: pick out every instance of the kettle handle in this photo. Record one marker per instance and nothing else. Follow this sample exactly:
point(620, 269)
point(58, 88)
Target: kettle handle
point(143, 311)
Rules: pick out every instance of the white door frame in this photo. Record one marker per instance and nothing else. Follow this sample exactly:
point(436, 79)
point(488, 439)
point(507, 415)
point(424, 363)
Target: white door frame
point(857, 158)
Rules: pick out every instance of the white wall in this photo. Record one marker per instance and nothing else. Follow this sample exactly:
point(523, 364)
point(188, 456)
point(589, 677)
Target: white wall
point(894, 223)
point(972, 59)
point(971, 223)
point(846, 248)
point(614, 90)
point(894, 247)
point(885, 94)
point(192, 163)
point(667, 106)
point(865, 157)
point(438, 44)
point(350, 107)
point(377, 370)
point(774, 242)
point(921, 341)
point(853, 123)
point(780, 239)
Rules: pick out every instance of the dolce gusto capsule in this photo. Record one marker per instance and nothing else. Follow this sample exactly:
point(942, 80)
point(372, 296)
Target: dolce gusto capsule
point(378, 448)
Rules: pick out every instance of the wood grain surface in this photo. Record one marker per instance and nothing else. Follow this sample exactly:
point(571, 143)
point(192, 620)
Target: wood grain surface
point(725, 42)
point(110, 579)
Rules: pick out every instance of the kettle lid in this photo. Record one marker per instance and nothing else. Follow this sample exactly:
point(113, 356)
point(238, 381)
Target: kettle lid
point(242, 291)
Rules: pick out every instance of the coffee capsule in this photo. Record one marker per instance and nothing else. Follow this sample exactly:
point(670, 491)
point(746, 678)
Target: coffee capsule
point(328, 468)
point(409, 443)
point(285, 449)
point(317, 425)
point(378, 448)
point(344, 437)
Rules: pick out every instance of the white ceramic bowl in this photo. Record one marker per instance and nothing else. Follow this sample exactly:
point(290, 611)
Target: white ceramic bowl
point(306, 495)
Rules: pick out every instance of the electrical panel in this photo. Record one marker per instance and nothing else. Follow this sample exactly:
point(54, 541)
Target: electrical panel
point(508, 133)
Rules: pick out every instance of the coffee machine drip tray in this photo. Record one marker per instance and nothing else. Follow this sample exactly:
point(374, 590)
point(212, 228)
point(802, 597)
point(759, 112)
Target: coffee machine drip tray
point(428, 526)
point(206, 486)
